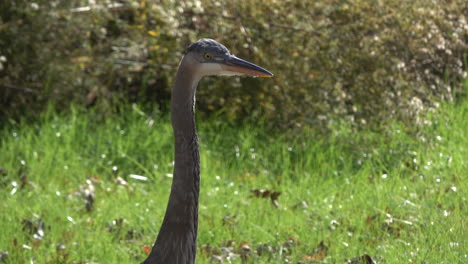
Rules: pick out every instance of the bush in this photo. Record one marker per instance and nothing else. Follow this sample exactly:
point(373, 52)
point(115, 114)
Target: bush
point(362, 61)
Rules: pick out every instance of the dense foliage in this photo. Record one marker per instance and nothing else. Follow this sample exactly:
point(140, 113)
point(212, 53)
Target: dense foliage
point(358, 60)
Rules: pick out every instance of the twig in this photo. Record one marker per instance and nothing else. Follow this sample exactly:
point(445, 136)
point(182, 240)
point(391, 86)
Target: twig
point(97, 7)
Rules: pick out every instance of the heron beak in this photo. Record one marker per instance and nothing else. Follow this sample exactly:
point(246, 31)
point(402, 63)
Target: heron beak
point(237, 65)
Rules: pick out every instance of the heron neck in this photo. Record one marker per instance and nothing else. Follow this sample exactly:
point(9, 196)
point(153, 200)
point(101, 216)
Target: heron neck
point(176, 241)
point(185, 184)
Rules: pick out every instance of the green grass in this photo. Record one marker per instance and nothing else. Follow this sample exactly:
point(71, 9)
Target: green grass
point(333, 189)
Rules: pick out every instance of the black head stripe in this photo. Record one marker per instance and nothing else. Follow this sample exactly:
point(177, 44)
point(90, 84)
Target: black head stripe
point(207, 45)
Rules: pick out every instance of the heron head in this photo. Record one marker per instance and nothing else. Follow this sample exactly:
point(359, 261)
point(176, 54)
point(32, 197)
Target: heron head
point(213, 58)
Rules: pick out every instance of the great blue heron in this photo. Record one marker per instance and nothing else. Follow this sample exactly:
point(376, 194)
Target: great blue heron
point(177, 239)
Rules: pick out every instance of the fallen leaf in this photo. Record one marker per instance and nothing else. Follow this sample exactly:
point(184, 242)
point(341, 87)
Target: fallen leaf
point(370, 219)
point(262, 193)
point(24, 180)
point(301, 205)
point(116, 225)
point(121, 181)
point(229, 219)
point(364, 259)
point(133, 234)
point(274, 198)
point(138, 177)
point(62, 254)
point(35, 228)
point(244, 250)
point(87, 191)
point(209, 250)
point(263, 249)
point(290, 242)
point(147, 249)
point(4, 257)
point(317, 254)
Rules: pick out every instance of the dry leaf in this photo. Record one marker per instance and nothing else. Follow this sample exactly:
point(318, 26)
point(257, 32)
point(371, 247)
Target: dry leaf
point(147, 249)
point(317, 254)
point(364, 259)
point(262, 193)
point(244, 250)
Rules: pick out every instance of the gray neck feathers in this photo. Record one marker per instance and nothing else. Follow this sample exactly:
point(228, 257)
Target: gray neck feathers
point(176, 242)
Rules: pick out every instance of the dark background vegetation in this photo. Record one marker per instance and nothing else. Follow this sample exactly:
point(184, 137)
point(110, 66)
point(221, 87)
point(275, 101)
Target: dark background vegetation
point(360, 61)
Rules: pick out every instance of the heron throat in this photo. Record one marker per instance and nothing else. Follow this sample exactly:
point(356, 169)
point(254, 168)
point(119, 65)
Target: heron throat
point(176, 241)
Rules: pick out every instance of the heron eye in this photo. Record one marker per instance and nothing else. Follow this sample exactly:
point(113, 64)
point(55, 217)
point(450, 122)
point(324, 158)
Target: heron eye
point(207, 56)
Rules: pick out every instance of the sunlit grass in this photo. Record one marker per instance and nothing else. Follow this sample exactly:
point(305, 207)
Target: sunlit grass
point(396, 195)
